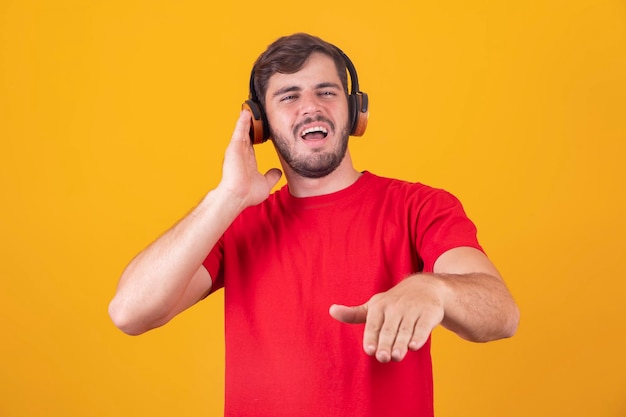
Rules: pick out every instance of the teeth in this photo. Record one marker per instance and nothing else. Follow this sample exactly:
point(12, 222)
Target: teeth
point(315, 129)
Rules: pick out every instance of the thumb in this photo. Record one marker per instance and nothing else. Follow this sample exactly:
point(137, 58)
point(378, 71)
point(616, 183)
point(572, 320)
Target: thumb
point(273, 176)
point(348, 314)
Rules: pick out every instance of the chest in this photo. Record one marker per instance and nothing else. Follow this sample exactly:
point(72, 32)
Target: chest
point(329, 253)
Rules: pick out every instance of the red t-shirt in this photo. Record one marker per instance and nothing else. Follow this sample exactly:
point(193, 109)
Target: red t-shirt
point(282, 264)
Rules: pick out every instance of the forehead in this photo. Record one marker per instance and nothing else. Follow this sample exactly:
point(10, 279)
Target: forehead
point(318, 69)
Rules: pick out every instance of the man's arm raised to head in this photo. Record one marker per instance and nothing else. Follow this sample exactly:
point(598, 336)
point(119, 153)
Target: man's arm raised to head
point(167, 277)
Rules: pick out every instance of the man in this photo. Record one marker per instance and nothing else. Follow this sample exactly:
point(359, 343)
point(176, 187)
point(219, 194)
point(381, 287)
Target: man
point(334, 283)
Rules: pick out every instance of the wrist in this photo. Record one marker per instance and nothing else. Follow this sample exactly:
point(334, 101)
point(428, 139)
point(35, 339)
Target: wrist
point(437, 285)
point(222, 204)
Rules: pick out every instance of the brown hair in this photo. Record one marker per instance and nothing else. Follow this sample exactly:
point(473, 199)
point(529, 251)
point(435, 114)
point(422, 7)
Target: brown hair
point(287, 55)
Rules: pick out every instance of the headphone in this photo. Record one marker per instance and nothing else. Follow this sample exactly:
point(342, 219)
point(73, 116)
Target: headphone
point(358, 107)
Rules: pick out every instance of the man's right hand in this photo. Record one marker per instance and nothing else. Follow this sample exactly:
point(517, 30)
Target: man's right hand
point(241, 178)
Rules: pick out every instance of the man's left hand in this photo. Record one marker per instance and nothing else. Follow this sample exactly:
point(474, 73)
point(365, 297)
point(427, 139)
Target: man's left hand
point(398, 320)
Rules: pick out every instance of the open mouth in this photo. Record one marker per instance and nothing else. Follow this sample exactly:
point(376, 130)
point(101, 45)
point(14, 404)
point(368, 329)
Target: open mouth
point(314, 133)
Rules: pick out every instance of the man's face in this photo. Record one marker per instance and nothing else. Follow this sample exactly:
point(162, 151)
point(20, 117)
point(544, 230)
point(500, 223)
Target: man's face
point(308, 116)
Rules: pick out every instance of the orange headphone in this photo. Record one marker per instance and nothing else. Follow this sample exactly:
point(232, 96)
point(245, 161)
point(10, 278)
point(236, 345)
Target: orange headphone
point(358, 108)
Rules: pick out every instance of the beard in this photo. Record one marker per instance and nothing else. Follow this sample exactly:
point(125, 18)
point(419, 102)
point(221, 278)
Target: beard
point(316, 165)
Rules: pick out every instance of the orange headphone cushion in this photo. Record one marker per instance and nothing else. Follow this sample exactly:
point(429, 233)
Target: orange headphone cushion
point(257, 128)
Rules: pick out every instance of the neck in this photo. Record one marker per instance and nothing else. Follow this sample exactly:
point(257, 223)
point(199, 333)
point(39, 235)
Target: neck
point(344, 176)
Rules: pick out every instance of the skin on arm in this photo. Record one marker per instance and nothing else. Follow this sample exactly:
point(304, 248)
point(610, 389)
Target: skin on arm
point(167, 277)
point(465, 294)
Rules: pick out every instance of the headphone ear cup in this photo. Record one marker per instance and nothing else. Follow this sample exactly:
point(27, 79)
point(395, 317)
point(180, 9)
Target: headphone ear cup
point(359, 112)
point(259, 132)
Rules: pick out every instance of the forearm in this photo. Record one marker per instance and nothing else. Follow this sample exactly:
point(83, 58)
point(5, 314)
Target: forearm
point(159, 278)
point(465, 294)
point(478, 306)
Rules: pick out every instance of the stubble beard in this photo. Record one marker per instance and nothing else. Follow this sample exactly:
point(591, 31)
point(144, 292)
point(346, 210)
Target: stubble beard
point(316, 165)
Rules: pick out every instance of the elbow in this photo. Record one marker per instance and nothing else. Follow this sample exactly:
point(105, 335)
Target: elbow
point(124, 319)
point(508, 325)
point(511, 323)
point(508, 322)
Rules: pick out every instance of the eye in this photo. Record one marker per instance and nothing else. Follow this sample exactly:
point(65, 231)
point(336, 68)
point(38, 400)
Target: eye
point(327, 93)
point(287, 98)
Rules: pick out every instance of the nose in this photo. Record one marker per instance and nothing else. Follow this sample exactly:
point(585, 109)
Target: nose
point(309, 103)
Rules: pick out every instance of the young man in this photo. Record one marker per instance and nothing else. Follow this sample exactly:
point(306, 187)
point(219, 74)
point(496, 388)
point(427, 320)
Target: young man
point(334, 283)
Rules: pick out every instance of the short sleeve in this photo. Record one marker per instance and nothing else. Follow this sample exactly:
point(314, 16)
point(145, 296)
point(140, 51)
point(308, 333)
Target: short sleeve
point(442, 224)
point(214, 265)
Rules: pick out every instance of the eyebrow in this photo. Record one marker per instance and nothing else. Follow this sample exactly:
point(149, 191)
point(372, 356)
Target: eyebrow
point(294, 88)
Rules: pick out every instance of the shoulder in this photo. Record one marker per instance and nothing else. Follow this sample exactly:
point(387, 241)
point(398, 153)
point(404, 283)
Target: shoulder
point(415, 192)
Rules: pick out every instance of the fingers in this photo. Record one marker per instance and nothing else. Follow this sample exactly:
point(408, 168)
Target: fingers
point(392, 330)
point(388, 331)
point(377, 331)
point(351, 315)
point(380, 333)
point(389, 337)
point(273, 176)
point(242, 128)
point(423, 328)
point(412, 335)
point(403, 338)
point(398, 320)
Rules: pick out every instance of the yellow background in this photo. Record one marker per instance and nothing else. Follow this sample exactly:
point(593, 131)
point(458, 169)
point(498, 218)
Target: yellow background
point(113, 120)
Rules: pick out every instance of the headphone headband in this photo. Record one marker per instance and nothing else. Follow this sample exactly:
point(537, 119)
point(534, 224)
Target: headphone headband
point(354, 79)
